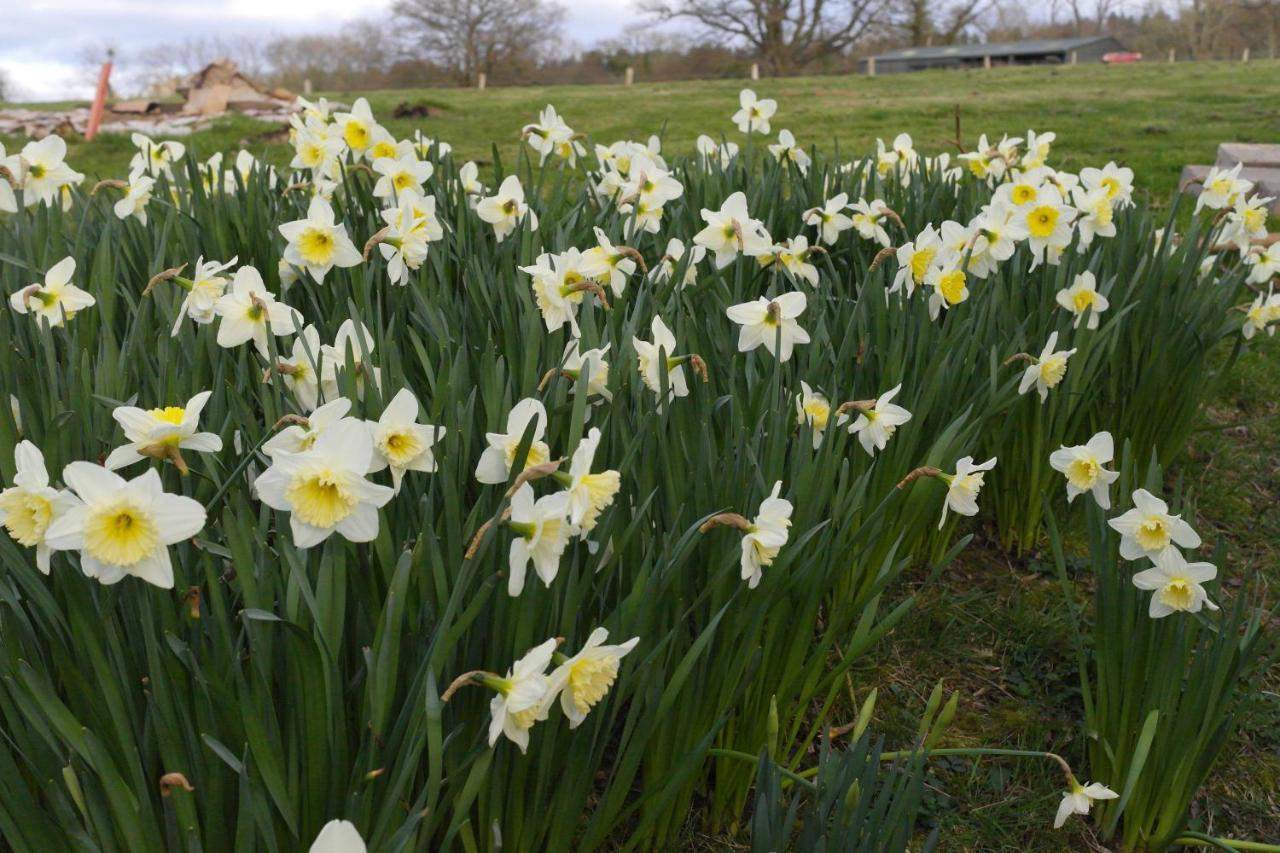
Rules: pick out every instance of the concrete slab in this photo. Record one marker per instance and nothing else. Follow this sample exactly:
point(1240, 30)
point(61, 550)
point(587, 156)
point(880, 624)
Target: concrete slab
point(1251, 154)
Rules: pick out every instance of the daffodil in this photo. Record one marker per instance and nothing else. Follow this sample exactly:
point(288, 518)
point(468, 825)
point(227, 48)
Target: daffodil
point(576, 360)
point(877, 423)
point(814, 409)
point(496, 461)
point(754, 115)
point(1246, 221)
point(710, 151)
point(950, 285)
point(1048, 223)
point(589, 494)
point(561, 282)
point(352, 345)
point(793, 256)
point(1222, 187)
point(1262, 314)
point(249, 313)
point(202, 291)
point(43, 171)
point(830, 219)
point(1045, 372)
point(675, 252)
point(1083, 467)
point(338, 836)
point(542, 531)
point(765, 535)
point(581, 681)
point(915, 259)
point(357, 126)
point(57, 299)
point(397, 175)
point(1038, 146)
point(1177, 585)
point(618, 264)
point(400, 442)
point(1082, 298)
point(1148, 529)
point(1096, 215)
point(30, 505)
point(469, 182)
point(123, 527)
point(652, 366)
point(324, 489)
point(963, 487)
point(1117, 181)
point(786, 150)
point(507, 209)
point(301, 437)
point(516, 707)
point(136, 198)
point(11, 164)
point(303, 371)
point(771, 323)
point(1079, 799)
point(155, 158)
point(731, 230)
point(317, 243)
point(162, 433)
point(551, 135)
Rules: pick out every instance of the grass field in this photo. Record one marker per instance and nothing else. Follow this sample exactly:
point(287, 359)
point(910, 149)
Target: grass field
point(994, 626)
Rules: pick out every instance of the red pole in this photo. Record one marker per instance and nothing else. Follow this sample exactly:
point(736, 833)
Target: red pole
point(99, 99)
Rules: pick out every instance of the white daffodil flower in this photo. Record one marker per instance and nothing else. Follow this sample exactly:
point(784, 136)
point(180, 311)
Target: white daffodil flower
point(542, 532)
point(469, 181)
point(1046, 371)
point(868, 219)
point(31, 505)
point(1048, 224)
point(915, 259)
point(651, 369)
point(1083, 467)
point(303, 371)
point(324, 489)
point(1079, 799)
point(560, 283)
point(155, 158)
point(42, 171)
point(618, 265)
point(711, 151)
point(876, 425)
point(787, 151)
point(123, 527)
point(402, 443)
point(397, 175)
point(666, 268)
point(298, 438)
point(771, 323)
point(160, 433)
point(338, 836)
point(1262, 314)
point(731, 230)
point(1096, 215)
point(495, 463)
point(813, 409)
point(357, 345)
point(1222, 187)
point(8, 199)
point(507, 209)
point(765, 535)
point(1148, 529)
point(57, 299)
point(754, 115)
point(793, 256)
point(206, 285)
point(1246, 221)
point(1082, 298)
point(356, 127)
point(581, 681)
point(589, 494)
point(573, 362)
point(830, 219)
point(963, 487)
point(950, 287)
point(249, 313)
point(136, 198)
point(1116, 180)
point(1176, 583)
point(317, 243)
point(520, 693)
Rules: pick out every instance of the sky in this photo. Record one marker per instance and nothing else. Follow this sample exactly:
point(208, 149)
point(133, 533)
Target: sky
point(41, 41)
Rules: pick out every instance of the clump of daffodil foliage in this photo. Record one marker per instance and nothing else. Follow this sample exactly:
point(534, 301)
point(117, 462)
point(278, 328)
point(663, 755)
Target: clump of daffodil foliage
point(379, 500)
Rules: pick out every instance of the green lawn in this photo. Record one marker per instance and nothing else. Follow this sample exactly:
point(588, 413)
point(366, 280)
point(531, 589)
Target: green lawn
point(994, 627)
point(1155, 118)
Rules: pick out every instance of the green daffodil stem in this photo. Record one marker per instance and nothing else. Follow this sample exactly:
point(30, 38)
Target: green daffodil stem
point(746, 756)
point(1199, 839)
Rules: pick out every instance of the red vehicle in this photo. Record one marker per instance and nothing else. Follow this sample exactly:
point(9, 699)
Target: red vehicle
point(1121, 57)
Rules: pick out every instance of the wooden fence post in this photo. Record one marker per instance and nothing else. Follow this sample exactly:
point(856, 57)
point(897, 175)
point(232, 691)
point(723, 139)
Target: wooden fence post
point(755, 71)
point(481, 80)
point(871, 66)
point(629, 77)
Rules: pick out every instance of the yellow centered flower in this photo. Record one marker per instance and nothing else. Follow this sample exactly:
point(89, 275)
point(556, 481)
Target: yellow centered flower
point(590, 679)
point(402, 180)
point(313, 154)
point(1221, 186)
point(1084, 299)
point(27, 516)
point(951, 286)
point(1153, 533)
point(356, 135)
point(978, 168)
point(920, 261)
point(1255, 218)
point(1178, 593)
point(1043, 221)
point(600, 491)
point(1052, 369)
point(385, 148)
point(1112, 185)
point(316, 245)
point(1024, 193)
point(169, 415)
point(526, 718)
point(537, 455)
point(320, 498)
point(400, 448)
point(818, 413)
point(1083, 473)
point(120, 534)
point(37, 171)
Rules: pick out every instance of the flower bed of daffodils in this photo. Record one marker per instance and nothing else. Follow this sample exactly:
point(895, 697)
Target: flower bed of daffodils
point(379, 501)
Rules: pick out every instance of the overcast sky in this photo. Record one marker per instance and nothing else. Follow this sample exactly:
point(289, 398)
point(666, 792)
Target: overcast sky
point(41, 40)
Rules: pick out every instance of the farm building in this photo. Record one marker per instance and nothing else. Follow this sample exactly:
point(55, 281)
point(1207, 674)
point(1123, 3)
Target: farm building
point(1033, 52)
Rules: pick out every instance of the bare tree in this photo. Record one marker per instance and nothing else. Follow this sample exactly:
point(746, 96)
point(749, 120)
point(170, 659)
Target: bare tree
point(5, 89)
point(923, 22)
point(786, 34)
point(470, 36)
